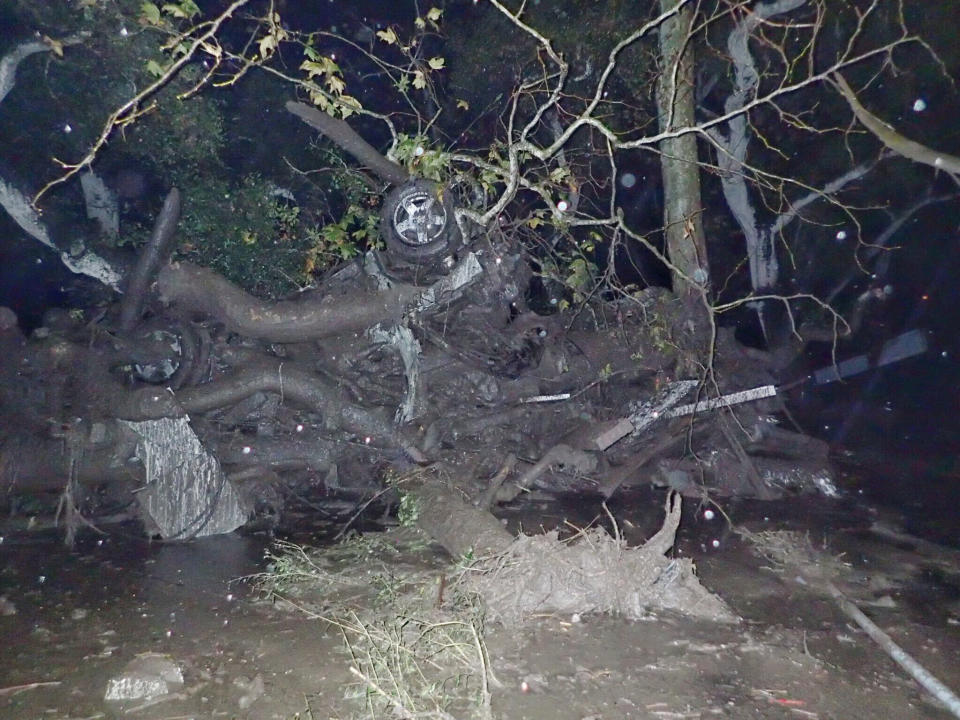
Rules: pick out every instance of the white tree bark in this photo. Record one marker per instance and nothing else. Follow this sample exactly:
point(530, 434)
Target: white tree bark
point(732, 150)
point(18, 205)
point(87, 263)
point(761, 251)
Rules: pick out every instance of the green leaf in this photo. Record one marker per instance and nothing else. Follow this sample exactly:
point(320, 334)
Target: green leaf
point(433, 14)
point(190, 7)
point(388, 36)
point(419, 80)
point(580, 273)
point(320, 65)
point(436, 63)
point(268, 45)
point(150, 13)
point(153, 67)
point(335, 84)
point(312, 68)
point(175, 10)
point(184, 9)
point(348, 105)
point(319, 99)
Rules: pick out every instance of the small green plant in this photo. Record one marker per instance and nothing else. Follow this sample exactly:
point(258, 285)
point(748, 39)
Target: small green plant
point(247, 232)
point(409, 511)
point(288, 565)
point(387, 587)
point(660, 336)
point(409, 666)
point(414, 152)
point(466, 559)
point(356, 230)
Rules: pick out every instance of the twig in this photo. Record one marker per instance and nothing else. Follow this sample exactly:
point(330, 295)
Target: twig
point(909, 149)
point(13, 689)
point(131, 109)
point(402, 711)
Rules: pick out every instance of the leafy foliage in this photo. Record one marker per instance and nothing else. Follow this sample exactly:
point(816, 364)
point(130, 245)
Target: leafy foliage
point(329, 95)
point(247, 232)
point(341, 240)
point(180, 140)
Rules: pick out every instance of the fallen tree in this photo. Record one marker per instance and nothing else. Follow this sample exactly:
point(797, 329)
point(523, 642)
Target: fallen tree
point(490, 336)
point(309, 392)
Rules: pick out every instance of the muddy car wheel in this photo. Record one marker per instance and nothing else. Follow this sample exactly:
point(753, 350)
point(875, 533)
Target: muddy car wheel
point(417, 222)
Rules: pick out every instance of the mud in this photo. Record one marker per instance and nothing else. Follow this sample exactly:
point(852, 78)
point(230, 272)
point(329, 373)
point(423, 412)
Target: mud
point(80, 617)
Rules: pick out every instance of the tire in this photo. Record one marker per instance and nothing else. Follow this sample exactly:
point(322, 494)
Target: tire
point(417, 222)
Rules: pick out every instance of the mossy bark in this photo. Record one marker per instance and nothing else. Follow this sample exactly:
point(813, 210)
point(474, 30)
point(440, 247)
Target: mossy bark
point(686, 244)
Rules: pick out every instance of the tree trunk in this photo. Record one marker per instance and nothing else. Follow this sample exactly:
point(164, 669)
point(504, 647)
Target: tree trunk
point(686, 245)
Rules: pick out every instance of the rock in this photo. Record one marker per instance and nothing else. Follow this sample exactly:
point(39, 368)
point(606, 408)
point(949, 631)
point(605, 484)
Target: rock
point(145, 677)
point(6, 606)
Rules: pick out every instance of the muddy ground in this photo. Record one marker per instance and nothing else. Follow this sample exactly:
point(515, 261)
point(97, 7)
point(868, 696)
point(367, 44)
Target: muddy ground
point(77, 619)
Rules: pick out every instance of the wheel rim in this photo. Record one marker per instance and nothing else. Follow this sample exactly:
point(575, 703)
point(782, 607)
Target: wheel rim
point(419, 219)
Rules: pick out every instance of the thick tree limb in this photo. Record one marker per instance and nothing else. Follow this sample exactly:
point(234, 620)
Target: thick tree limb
point(297, 386)
point(34, 463)
point(348, 139)
point(150, 258)
point(88, 263)
point(683, 209)
point(462, 529)
point(277, 453)
point(202, 290)
point(16, 203)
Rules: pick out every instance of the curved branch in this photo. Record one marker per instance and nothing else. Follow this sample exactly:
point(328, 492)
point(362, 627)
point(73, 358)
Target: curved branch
point(762, 258)
point(910, 149)
point(348, 139)
point(131, 108)
point(151, 257)
point(16, 203)
point(300, 387)
point(10, 61)
point(18, 206)
point(201, 290)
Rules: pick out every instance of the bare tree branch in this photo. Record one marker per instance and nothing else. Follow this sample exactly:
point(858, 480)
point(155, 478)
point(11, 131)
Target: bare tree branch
point(910, 149)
